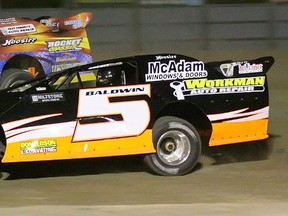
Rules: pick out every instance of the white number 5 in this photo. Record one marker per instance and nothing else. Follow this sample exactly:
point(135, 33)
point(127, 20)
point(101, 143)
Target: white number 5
point(95, 103)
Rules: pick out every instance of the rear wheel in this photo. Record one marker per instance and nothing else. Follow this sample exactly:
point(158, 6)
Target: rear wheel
point(14, 77)
point(178, 147)
point(3, 175)
point(2, 150)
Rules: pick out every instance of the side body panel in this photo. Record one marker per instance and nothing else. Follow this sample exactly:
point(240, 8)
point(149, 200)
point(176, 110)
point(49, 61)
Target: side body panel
point(226, 101)
point(93, 122)
point(233, 95)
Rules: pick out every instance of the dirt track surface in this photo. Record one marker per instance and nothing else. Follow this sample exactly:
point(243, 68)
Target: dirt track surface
point(237, 180)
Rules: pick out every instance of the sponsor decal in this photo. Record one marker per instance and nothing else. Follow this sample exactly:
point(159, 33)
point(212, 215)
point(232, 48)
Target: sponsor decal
point(38, 146)
point(217, 86)
point(5, 21)
point(116, 91)
point(243, 68)
point(64, 45)
point(173, 70)
point(19, 29)
point(40, 88)
point(250, 68)
point(75, 23)
point(50, 23)
point(61, 67)
point(228, 69)
point(64, 59)
point(47, 97)
point(160, 57)
point(13, 41)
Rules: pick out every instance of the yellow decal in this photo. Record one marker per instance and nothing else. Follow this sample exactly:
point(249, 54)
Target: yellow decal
point(38, 146)
point(205, 83)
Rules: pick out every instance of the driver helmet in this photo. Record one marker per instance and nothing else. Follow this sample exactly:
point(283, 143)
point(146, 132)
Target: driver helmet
point(109, 77)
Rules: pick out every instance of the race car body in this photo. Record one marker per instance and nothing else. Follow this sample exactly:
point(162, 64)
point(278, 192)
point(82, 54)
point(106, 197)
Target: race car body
point(35, 47)
point(165, 106)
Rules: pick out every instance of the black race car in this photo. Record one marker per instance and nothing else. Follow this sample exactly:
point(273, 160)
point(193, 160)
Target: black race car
point(166, 106)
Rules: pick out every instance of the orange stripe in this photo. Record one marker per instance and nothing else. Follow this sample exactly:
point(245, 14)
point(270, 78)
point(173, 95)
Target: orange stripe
point(223, 133)
point(235, 132)
point(66, 150)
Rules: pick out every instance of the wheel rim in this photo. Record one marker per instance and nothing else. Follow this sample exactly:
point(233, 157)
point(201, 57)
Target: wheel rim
point(173, 147)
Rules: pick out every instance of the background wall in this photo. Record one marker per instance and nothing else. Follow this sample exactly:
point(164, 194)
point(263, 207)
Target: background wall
point(206, 32)
point(118, 31)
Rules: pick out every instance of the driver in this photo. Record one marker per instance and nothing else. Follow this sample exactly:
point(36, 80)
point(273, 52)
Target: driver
point(110, 77)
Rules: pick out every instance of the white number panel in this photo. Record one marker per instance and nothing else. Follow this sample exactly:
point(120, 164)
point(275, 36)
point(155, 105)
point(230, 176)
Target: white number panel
point(95, 103)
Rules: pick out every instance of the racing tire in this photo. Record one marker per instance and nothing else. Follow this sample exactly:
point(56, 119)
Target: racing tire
point(4, 175)
point(178, 147)
point(2, 150)
point(14, 77)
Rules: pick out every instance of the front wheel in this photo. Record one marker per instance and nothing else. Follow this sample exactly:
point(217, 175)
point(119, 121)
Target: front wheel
point(3, 175)
point(178, 147)
point(13, 77)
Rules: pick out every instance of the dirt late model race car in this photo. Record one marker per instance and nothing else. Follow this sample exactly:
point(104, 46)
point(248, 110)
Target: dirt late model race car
point(167, 107)
point(41, 46)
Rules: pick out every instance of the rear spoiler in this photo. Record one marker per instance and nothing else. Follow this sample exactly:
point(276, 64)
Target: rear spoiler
point(12, 26)
point(231, 68)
